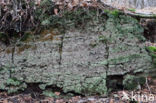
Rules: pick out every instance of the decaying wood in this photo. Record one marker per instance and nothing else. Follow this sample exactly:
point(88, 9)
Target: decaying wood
point(127, 12)
point(140, 15)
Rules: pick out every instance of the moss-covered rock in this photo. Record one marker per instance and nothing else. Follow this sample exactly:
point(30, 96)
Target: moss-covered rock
point(132, 82)
point(81, 59)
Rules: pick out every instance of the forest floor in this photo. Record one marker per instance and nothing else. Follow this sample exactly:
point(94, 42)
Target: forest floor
point(145, 95)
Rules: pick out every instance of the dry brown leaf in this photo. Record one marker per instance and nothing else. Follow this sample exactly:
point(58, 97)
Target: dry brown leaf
point(57, 93)
point(75, 2)
point(76, 98)
point(38, 2)
point(84, 4)
point(56, 11)
point(154, 82)
point(60, 101)
point(111, 101)
point(5, 101)
point(70, 6)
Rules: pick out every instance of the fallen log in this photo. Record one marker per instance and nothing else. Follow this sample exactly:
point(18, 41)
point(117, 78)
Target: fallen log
point(140, 15)
point(125, 11)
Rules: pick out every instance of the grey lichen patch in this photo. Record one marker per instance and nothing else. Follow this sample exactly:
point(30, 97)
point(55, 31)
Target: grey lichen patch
point(93, 43)
point(121, 59)
point(96, 85)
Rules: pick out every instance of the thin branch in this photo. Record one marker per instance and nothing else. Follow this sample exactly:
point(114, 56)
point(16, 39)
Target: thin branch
point(148, 85)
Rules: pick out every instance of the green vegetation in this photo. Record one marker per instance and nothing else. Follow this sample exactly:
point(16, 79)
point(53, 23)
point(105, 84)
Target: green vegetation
point(45, 15)
point(13, 85)
point(115, 13)
point(13, 81)
point(131, 9)
point(132, 82)
point(112, 13)
point(95, 85)
point(151, 49)
point(119, 60)
point(103, 39)
point(49, 94)
point(152, 52)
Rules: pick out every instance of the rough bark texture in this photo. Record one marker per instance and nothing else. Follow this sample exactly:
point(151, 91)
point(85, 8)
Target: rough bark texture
point(148, 12)
point(79, 60)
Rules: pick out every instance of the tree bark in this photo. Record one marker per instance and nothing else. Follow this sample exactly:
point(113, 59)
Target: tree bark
point(104, 6)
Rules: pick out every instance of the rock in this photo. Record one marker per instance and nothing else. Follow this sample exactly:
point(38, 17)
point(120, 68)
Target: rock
point(80, 60)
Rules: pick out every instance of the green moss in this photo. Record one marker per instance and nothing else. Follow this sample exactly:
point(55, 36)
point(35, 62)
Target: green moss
point(103, 39)
point(1, 34)
point(45, 22)
point(115, 13)
point(151, 49)
point(69, 19)
point(112, 13)
point(88, 86)
point(95, 85)
point(42, 86)
point(26, 36)
point(13, 81)
point(45, 15)
point(152, 52)
point(119, 48)
point(12, 85)
point(3, 37)
point(1, 69)
point(45, 3)
point(132, 10)
point(126, 25)
point(121, 59)
point(131, 82)
point(49, 93)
